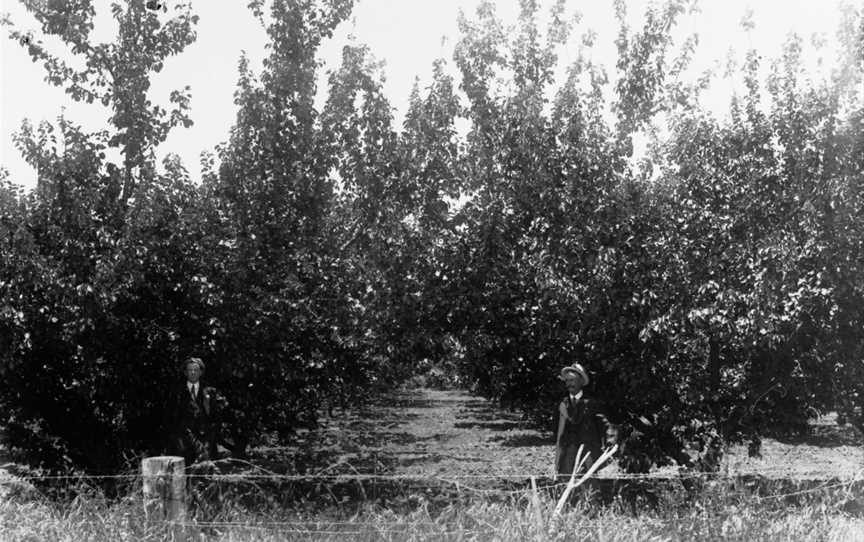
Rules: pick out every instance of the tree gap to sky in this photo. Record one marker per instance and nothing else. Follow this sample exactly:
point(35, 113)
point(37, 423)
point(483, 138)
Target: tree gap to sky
point(518, 216)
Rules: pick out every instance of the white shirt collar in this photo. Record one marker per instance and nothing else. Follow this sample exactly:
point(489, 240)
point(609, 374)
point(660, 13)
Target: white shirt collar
point(576, 397)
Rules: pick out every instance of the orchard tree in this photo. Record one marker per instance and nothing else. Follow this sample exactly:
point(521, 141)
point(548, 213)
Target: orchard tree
point(284, 315)
point(433, 184)
point(72, 390)
point(701, 286)
point(117, 74)
point(365, 220)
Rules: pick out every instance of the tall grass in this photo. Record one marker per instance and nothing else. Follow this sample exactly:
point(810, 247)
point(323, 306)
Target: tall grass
point(713, 514)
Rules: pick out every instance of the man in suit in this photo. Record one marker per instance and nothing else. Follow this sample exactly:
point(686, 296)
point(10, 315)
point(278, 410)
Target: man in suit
point(581, 422)
point(195, 414)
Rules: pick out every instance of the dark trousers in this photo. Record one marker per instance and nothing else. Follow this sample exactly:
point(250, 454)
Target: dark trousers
point(567, 460)
point(196, 446)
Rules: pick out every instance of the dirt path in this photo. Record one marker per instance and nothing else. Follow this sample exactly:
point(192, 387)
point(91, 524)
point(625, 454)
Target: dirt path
point(460, 434)
point(452, 433)
point(442, 434)
point(830, 451)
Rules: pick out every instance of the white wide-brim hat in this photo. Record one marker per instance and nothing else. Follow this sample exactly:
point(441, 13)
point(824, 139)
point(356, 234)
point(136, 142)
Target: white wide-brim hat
point(577, 370)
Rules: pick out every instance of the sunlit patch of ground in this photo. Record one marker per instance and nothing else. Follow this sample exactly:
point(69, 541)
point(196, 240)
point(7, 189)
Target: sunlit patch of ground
point(455, 434)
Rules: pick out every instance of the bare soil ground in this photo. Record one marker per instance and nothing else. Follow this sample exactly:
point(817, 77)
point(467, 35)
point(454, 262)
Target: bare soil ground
point(449, 436)
point(430, 440)
point(452, 434)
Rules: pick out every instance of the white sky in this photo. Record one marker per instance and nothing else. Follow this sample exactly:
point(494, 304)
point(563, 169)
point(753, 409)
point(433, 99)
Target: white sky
point(406, 34)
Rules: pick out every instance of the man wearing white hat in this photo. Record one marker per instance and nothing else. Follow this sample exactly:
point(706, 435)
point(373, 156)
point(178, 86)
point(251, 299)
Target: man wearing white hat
point(580, 423)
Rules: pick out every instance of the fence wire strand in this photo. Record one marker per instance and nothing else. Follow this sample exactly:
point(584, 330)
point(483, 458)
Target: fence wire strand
point(287, 527)
point(450, 478)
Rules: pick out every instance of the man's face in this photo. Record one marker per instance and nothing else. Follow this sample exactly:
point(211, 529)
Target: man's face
point(193, 372)
point(573, 383)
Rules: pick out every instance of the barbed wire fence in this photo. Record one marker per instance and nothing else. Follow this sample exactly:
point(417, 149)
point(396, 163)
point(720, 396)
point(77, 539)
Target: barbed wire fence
point(192, 500)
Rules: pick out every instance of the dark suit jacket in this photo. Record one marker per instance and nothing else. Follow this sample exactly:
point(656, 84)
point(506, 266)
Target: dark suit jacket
point(196, 414)
point(584, 425)
point(193, 422)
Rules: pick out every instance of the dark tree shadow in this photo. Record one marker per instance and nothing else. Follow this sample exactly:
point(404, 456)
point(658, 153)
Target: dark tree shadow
point(488, 415)
point(494, 426)
point(526, 439)
point(823, 436)
point(437, 458)
point(476, 404)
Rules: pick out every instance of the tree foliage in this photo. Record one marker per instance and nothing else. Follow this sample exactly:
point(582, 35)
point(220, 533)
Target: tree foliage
point(702, 286)
point(710, 283)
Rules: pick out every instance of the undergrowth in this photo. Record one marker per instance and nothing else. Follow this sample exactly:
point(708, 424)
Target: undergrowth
point(718, 512)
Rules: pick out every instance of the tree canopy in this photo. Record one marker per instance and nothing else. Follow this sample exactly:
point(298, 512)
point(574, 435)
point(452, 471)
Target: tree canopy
point(711, 284)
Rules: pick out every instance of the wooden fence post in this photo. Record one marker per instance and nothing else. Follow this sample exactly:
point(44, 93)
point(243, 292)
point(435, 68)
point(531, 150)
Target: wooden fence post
point(165, 491)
